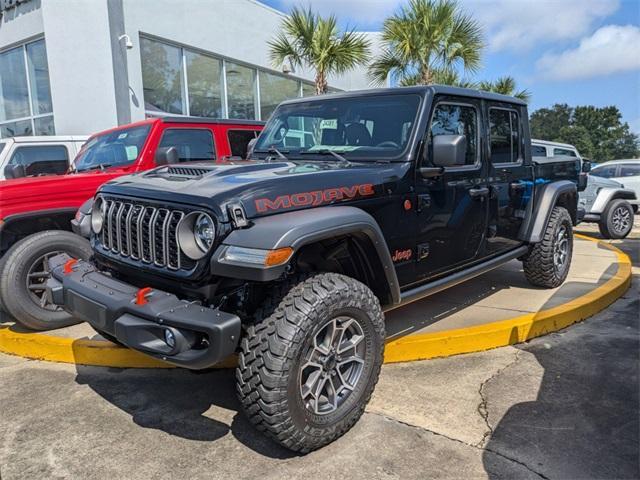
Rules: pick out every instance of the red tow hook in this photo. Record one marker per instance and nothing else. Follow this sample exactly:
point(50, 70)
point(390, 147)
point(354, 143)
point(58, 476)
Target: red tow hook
point(142, 294)
point(68, 266)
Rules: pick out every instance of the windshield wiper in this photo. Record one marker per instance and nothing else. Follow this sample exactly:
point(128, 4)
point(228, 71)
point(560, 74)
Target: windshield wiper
point(343, 161)
point(273, 151)
point(101, 166)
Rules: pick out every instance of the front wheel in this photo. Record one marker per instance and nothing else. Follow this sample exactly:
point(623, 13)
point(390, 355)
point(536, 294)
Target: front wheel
point(25, 273)
point(307, 370)
point(617, 220)
point(547, 264)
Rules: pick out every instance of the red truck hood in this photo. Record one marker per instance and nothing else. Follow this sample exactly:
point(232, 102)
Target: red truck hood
point(26, 195)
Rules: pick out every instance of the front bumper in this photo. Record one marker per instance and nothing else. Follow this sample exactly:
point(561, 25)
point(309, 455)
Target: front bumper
point(202, 336)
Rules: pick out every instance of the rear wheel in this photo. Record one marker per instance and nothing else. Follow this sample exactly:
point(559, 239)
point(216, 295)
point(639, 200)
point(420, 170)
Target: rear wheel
point(25, 273)
point(617, 219)
point(307, 370)
point(547, 264)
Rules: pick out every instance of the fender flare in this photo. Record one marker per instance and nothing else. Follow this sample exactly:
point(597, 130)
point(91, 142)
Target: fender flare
point(545, 198)
point(300, 228)
point(607, 194)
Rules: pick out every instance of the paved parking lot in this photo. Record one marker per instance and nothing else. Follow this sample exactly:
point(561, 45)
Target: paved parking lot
point(560, 406)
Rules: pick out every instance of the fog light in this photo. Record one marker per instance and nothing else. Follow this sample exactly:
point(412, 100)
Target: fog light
point(169, 338)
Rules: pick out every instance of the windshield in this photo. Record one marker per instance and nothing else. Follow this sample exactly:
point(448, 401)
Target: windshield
point(361, 126)
point(2, 144)
point(117, 148)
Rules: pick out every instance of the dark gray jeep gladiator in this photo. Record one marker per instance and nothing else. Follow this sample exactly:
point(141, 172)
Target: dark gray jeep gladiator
point(351, 204)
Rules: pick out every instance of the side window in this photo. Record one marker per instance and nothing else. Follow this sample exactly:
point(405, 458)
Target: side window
point(605, 172)
point(563, 152)
point(239, 140)
point(192, 143)
point(42, 159)
point(538, 151)
point(630, 170)
point(453, 119)
point(504, 135)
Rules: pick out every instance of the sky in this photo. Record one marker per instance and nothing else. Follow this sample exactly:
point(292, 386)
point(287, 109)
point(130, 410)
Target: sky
point(579, 52)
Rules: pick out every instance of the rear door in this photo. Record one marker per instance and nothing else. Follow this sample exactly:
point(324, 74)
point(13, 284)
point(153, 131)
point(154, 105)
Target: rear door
point(510, 176)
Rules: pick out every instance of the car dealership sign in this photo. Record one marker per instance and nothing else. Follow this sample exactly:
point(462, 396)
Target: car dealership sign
point(7, 4)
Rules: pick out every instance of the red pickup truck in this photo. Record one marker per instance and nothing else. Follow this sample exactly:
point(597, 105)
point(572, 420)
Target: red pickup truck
point(36, 212)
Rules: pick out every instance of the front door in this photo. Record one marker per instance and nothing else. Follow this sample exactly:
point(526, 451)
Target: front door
point(452, 208)
point(510, 178)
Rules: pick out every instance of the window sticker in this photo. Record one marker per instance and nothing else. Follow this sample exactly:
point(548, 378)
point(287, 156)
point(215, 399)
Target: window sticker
point(329, 124)
point(122, 136)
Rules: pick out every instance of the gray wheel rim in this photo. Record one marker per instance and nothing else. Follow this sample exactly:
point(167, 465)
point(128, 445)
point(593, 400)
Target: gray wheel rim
point(561, 248)
point(37, 276)
point(621, 220)
point(333, 365)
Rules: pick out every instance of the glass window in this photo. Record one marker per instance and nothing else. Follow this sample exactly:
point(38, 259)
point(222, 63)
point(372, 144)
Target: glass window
point(16, 129)
point(39, 78)
point(161, 76)
point(538, 151)
point(366, 127)
point(204, 85)
point(563, 152)
point(192, 144)
point(41, 159)
point(273, 90)
point(239, 140)
point(308, 90)
point(44, 125)
point(14, 96)
point(451, 119)
point(241, 91)
point(2, 145)
point(116, 148)
point(505, 138)
point(629, 170)
point(605, 171)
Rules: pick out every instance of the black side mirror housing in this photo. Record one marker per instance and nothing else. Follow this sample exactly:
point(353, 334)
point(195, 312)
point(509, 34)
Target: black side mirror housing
point(449, 150)
point(250, 146)
point(586, 166)
point(167, 156)
point(15, 171)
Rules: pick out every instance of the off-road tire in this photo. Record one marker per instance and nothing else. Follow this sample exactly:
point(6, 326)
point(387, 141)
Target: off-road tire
point(607, 225)
point(16, 298)
point(540, 267)
point(272, 350)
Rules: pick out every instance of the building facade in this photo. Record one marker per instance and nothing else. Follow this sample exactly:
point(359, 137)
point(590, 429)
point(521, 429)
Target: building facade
point(72, 67)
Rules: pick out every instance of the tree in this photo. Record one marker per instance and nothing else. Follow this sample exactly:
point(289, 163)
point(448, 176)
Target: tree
point(425, 39)
point(313, 41)
point(598, 133)
point(505, 86)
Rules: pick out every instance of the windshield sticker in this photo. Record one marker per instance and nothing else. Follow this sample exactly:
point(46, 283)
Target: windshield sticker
point(315, 198)
point(329, 124)
point(122, 136)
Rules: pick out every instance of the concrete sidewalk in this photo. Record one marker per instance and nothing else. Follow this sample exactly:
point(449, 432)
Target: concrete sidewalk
point(560, 406)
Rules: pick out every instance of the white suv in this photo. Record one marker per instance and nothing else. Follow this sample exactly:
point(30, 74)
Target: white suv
point(45, 155)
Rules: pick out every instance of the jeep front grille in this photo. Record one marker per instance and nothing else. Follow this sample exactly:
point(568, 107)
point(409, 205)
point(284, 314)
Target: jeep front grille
point(143, 232)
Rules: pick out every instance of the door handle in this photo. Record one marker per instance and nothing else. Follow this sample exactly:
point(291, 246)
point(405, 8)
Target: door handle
point(479, 192)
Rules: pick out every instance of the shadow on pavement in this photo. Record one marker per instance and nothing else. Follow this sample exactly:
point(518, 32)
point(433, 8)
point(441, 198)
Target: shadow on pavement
point(178, 402)
point(585, 421)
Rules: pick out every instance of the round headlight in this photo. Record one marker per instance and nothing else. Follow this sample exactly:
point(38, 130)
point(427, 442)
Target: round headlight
point(97, 215)
point(205, 232)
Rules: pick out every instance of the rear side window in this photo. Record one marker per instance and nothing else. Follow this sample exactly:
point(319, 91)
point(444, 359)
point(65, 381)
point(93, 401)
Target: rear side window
point(505, 135)
point(453, 119)
point(193, 144)
point(563, 152)
point(605, 172)
point(538, 151)
point(629, 170)
point(239, 140)
point(41, 159)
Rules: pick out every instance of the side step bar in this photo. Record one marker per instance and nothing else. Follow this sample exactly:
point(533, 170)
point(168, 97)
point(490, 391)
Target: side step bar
point(436, 286)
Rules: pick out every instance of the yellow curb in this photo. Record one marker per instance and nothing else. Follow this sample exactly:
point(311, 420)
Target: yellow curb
point(413, 347)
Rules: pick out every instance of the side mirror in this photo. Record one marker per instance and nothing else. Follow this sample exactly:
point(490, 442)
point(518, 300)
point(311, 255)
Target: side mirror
point(15, 171)
point(250, 146)
point(586, 166)
point(449, 150)
point(167, 156)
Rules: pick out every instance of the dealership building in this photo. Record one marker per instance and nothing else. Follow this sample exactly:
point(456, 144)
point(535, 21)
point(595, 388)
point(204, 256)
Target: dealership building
point(71, 67)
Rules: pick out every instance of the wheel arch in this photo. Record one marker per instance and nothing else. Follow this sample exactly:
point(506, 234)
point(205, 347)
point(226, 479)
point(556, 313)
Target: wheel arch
point(607, 195)
point(17, 226)
point(562, 193)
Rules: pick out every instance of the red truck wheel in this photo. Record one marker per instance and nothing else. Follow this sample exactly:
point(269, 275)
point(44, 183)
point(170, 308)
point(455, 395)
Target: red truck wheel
point(24, 275)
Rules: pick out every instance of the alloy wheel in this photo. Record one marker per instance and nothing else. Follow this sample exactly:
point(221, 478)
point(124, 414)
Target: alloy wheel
point(621, 220)
point(37, 277)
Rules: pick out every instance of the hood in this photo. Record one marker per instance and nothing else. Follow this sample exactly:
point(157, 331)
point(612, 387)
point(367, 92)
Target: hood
point(262, 188)
point(49, 192)
point(603, 182)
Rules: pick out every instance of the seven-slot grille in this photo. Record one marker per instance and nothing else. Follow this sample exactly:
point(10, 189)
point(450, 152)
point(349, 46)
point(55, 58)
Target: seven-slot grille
point(143, 232)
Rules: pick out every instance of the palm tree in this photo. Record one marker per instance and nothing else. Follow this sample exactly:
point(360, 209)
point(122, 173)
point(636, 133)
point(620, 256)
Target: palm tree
point(308, 39)
point(505, 86)
point(425, 37)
